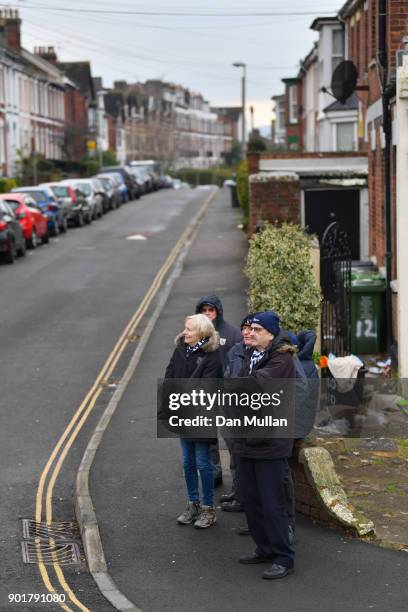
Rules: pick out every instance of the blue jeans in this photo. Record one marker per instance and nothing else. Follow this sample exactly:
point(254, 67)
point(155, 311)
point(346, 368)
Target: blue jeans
point(196, 456)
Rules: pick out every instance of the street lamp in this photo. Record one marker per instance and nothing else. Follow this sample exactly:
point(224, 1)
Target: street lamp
point(243, 66)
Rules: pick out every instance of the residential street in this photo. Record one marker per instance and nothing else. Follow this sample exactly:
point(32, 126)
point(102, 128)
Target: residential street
point(62, 311)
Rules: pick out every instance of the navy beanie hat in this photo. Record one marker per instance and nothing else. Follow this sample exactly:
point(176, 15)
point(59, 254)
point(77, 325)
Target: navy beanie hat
point(268, 320)
point(247, 320)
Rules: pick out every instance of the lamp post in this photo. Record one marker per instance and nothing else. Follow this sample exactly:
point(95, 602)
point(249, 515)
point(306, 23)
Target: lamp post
point(243, 66)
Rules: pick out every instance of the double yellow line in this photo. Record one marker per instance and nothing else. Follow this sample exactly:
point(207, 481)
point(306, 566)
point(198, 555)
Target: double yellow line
point(55, 462)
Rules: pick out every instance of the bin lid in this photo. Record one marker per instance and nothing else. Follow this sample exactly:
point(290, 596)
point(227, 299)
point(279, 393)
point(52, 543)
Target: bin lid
point(366, 279)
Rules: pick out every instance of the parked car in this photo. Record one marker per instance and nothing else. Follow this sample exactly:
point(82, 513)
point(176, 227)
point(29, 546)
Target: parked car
point(100, 187)
point(123, 190)
point(12, 241)
point(32, 220)
point(152, 168)
point(130, 181)
point(45, 199)
point(111, 186)
point(141, 178)
point(76, 208)
point(89, 189)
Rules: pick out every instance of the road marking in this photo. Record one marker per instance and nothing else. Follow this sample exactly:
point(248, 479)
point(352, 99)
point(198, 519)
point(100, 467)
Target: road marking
point(136, 237)
point(86, 406)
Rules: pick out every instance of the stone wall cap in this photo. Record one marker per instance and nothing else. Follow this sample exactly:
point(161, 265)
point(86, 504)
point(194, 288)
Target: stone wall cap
point(263, 177)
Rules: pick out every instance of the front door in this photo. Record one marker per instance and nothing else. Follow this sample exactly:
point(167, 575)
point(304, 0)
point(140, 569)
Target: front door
point(322, 207)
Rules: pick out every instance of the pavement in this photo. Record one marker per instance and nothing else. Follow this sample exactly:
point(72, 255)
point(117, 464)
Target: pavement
point(138, 488)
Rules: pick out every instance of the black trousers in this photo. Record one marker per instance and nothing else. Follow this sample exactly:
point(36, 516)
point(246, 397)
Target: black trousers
point(234, 467)
point(262, 483)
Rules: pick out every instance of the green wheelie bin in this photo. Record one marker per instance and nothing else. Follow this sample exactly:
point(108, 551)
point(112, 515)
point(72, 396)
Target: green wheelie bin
point(367, 312)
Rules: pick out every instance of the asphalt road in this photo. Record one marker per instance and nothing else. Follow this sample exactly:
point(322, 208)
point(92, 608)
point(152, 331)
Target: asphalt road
point(62, 309)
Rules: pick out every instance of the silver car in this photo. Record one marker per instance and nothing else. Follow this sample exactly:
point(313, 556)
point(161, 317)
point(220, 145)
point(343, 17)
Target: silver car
point(91, 189)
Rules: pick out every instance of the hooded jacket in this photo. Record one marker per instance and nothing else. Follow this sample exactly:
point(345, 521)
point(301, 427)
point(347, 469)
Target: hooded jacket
point(305, 342)
point(203, 363)
point(229, 334)
point(276, 363)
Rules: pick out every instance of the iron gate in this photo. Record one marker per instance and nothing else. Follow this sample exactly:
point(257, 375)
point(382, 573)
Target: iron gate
point(335, 280)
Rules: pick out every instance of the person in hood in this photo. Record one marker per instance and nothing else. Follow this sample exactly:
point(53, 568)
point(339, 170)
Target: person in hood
point(211, 307)
point(197, 355)
point(263, 462)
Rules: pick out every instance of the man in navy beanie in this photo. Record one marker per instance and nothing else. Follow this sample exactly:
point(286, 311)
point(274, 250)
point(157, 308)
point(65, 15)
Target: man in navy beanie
point(263, 462)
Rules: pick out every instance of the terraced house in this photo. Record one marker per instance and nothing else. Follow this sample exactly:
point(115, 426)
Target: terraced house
point(32, 112)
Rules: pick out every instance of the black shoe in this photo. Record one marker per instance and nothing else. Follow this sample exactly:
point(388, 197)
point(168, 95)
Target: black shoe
point(292, 535)
point(232, 506)
point(218, 481)
point(243, 531)
point(253, 559)
point(227, 497)
point(276, 571)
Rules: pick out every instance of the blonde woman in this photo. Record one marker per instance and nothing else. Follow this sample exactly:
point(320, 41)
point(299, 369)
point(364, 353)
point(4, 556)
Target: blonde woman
point(197, 355)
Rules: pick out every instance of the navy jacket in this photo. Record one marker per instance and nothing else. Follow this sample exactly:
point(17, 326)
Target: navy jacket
point(235, 359)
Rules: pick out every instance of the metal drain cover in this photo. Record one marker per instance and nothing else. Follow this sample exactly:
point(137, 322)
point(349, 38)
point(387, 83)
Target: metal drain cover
point(57, 531)
point(65, 553)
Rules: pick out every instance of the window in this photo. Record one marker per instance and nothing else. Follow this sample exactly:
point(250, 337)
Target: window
point(345, 137)
point(292, 104)
point(337, 48)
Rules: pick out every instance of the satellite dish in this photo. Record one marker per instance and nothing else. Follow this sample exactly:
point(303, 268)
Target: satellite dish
point(344, 81)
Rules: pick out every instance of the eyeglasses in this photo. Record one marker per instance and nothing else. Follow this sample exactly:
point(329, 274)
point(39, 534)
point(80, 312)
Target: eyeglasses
point(257, 329)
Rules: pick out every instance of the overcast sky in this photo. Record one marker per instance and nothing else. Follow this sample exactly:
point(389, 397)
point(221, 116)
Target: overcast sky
point(194, 50)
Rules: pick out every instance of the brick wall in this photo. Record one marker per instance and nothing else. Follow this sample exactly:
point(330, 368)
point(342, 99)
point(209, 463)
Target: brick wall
point(307, 502)
point(362, 35)
point(273, 197)
point(76, 122)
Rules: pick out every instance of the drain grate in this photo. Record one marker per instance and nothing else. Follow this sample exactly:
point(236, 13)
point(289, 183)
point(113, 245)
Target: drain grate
point(66, 553)
point(57, 531)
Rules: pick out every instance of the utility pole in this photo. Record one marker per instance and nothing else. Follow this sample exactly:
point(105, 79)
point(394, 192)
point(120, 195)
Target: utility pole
point(243, 104)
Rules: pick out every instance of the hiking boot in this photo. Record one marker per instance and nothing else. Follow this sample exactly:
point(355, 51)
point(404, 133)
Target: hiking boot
point(207, 518)
point(190, 514)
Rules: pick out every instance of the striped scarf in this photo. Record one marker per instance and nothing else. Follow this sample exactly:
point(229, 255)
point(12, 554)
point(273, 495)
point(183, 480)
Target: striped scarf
point(198, 345)
point(255, 358)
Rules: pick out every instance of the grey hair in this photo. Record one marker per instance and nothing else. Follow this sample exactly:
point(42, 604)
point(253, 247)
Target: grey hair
point(203, 325)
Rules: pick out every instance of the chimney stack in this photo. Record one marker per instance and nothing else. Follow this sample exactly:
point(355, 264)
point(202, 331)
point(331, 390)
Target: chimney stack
point(47, 53)
point(10, 24)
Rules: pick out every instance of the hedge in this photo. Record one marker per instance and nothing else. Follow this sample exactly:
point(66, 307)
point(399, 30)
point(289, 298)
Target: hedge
point(281, 276)
point(7, 184)
point(203, 176)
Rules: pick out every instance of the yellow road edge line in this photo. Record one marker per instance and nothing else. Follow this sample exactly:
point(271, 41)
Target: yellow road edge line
point(95, 391)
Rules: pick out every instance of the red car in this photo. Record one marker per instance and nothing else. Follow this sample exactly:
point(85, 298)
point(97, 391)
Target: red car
point(33, 222)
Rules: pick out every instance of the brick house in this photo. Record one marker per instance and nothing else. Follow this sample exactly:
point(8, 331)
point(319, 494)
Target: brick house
point(362, 32)
point(377, 72)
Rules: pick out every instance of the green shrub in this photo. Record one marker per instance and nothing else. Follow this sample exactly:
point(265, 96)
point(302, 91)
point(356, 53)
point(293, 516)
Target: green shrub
point(203, 176)
point(243, 188)
point(7, 184)
point(281, 276)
